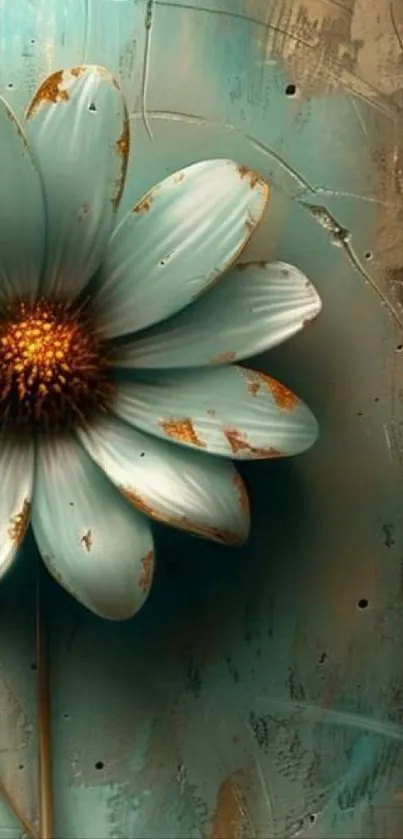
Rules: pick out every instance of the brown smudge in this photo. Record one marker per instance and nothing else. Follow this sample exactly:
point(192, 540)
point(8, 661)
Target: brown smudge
point(250, 175)
point(224, 358)
point(284, 398)
point(223, 537)
point(254, 386)
point(230, 819)
point(179, 177)
point(242, 491)
point(78, 71)
point(122, 146)
point(18, 524)
point(144, 206)
point(49, 91)
point(239, 443)
point(147, 570)
point(182, 429)
point(87, 541)
point(242, 266)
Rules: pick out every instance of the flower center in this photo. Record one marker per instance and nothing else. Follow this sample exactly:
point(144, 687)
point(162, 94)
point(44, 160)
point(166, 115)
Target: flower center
point(52, 371)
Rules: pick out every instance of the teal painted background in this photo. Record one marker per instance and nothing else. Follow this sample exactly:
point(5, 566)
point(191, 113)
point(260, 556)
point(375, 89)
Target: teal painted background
point(252, 696)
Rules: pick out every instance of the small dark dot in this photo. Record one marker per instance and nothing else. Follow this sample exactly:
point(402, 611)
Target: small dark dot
point(92, 107)
point(312, 818)
point(360, 414)
point(368, 255)
point(99, 764)
point(162, 262)
point(10, 85)
point(323, 658)
point(66, 715)
point(377, 399)
point(71, 503)
point(142, 454)
point(290, 90)
point(21, 766)
point(32, 40)
point(363, 603)
point(399, 348)
point(33, 665)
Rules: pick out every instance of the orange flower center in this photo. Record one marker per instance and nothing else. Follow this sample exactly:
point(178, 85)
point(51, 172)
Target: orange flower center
point(52, 370)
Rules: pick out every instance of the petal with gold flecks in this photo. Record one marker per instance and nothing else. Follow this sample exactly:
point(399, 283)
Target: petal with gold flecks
point(176, 242)
point(229, 411)
point(22, 213)
point(194, 492)
point(252, 308)
point(16, 474)
point(78, 126)
point(98, 547)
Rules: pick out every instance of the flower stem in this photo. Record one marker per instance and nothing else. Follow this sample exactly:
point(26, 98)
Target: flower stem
point(15, 808)
point(44, 722)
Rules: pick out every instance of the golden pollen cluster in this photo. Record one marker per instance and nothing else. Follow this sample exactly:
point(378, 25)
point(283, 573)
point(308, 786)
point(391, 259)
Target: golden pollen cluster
point(52, 372)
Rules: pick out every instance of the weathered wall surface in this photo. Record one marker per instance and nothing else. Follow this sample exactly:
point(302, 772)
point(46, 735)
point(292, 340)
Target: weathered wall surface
point(260, 692)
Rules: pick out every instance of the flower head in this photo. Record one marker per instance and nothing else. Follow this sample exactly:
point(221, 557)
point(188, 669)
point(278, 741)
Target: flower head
point(119, 398)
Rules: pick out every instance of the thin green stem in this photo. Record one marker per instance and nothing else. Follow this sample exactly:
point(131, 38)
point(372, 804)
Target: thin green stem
point(44, 722)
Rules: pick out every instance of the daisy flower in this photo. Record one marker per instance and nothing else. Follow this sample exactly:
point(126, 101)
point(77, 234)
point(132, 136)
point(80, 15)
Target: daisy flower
point(121, 397)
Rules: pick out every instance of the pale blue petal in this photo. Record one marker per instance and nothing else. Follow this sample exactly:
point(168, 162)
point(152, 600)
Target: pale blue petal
point(16, 480)
point(230, 411)
point(194, 492)
point(78, 125)
point(22, 213)
point(176, 242)
point(92, 541)
point(252, 308)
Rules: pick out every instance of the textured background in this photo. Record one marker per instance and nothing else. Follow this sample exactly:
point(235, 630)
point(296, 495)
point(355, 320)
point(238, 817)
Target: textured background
point(253, 696)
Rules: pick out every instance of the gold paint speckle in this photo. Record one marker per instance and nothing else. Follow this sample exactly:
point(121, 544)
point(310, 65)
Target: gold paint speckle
point(87, 541)
point(18, 524)
point(181, 429)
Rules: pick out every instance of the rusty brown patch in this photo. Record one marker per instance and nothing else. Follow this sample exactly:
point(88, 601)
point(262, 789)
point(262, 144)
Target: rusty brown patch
point(230, 820)
point(87, 541)
point(239, 443)
point(78, 71)
point(147, 569)
point(18, 524)
point(122, 146)
point(254, 385)
point(49, 91)
point(223, 537)
point(242, 492)
point(284, 398)
point(249, 175)
point(224, 358)
point(144, 206)
point(183, 430)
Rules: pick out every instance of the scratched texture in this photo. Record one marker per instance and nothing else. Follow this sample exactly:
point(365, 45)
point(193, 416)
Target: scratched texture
point(259, 693)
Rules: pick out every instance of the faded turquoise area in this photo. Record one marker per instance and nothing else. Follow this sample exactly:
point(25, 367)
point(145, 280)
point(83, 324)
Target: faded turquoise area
point(252, 696)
